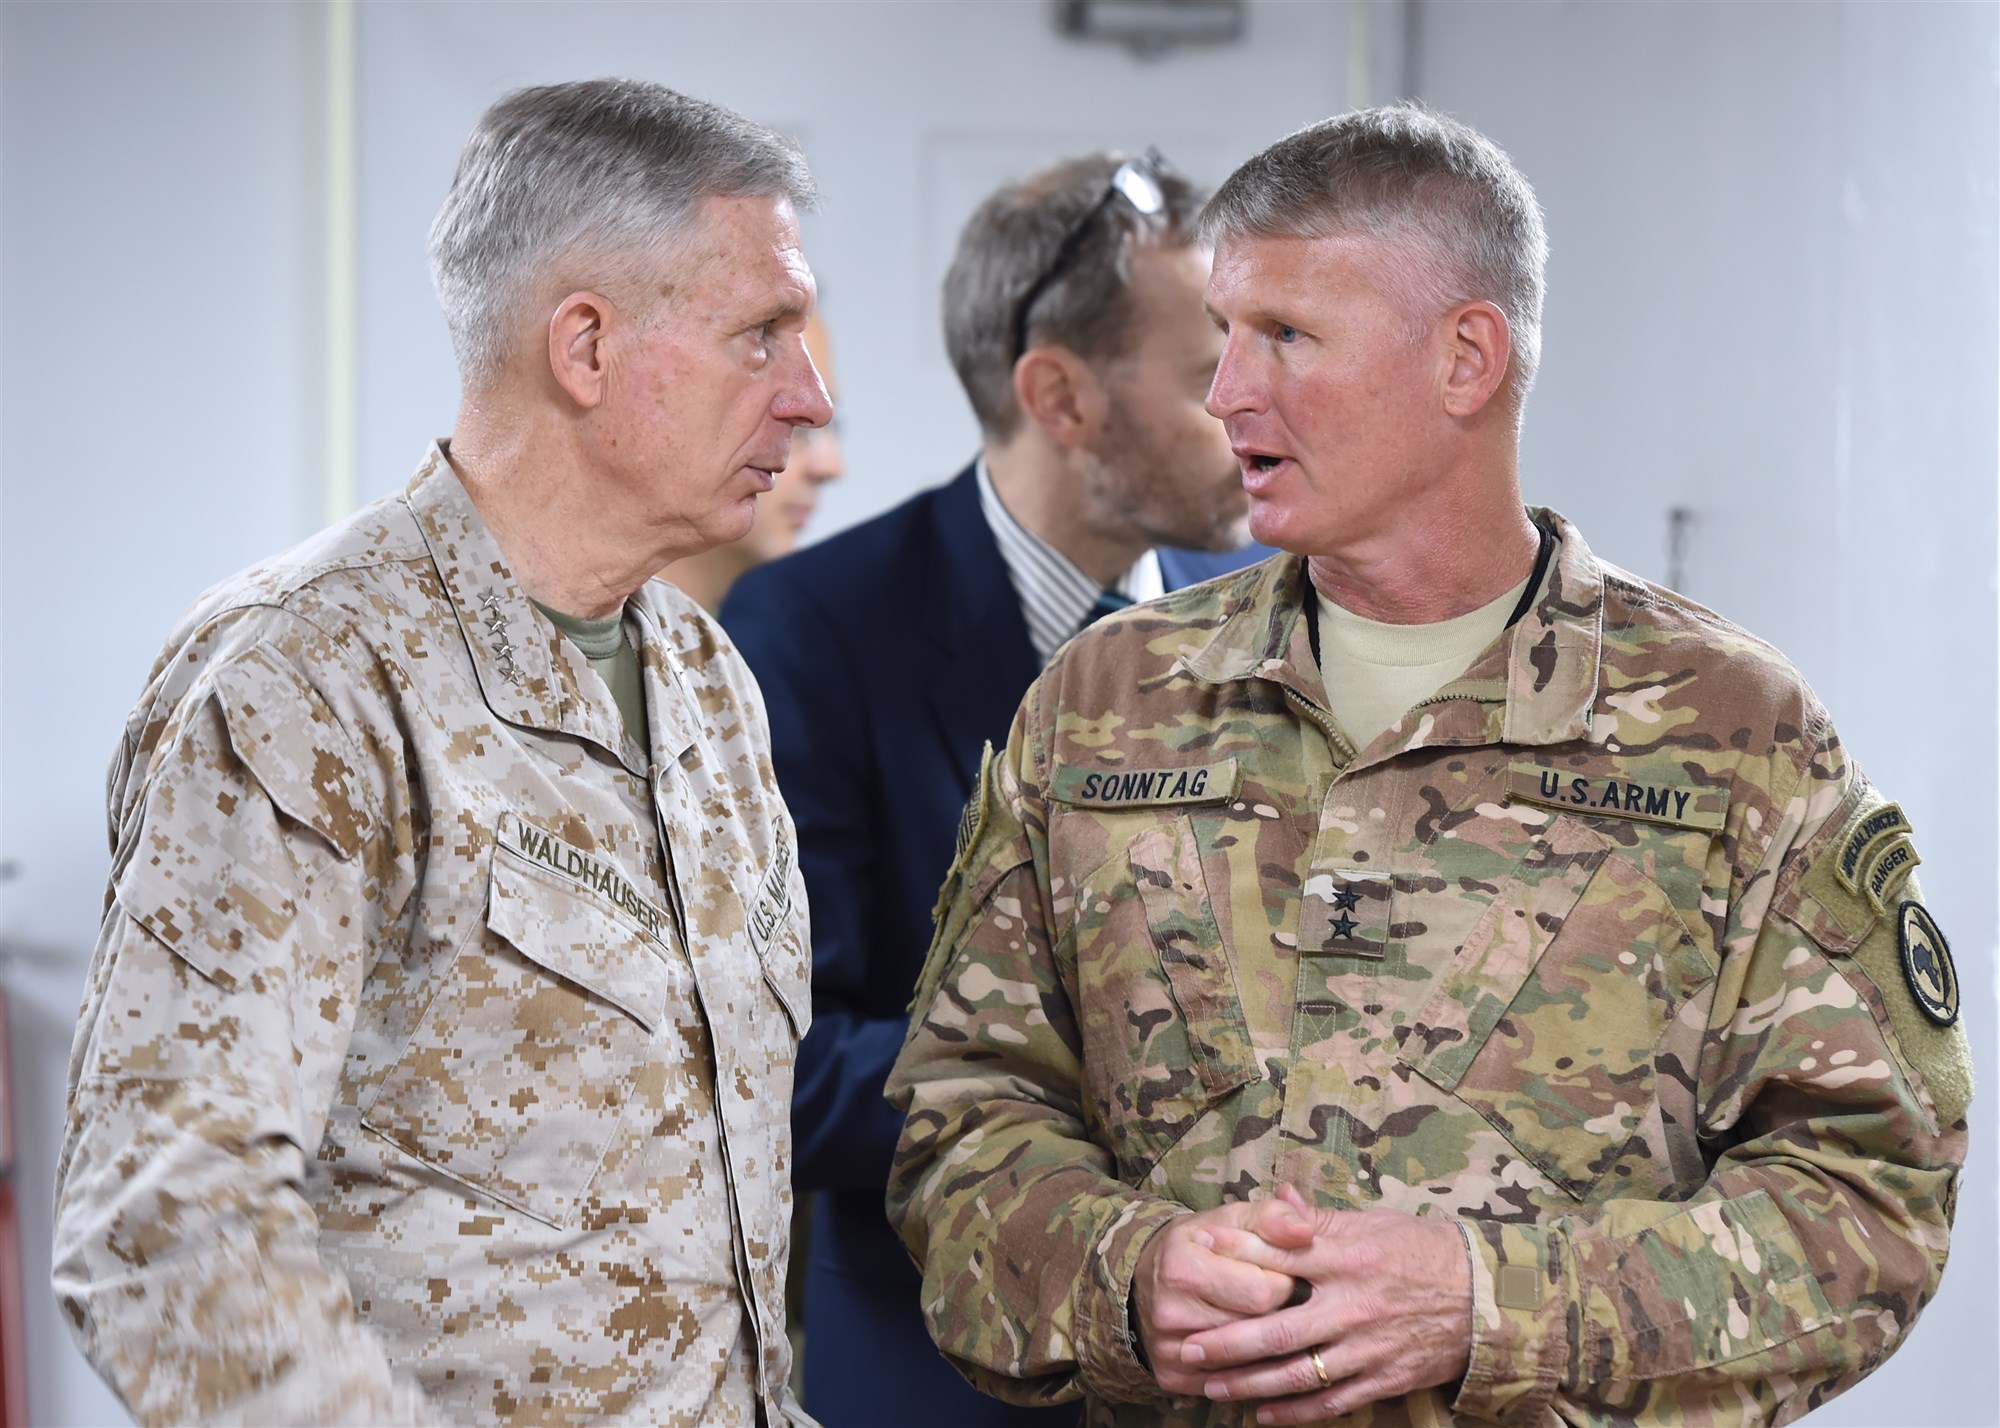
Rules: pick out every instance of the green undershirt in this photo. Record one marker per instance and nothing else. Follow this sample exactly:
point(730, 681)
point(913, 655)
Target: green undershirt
point(1376, 672)
point(605, 644)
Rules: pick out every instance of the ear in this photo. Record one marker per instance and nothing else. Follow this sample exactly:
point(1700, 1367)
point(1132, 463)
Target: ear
point(1477, 345)
point(579, 357)
point(1061, 394)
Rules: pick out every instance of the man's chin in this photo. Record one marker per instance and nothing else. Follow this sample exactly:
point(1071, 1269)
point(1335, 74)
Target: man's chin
point(1271, 524)
point(735, 523)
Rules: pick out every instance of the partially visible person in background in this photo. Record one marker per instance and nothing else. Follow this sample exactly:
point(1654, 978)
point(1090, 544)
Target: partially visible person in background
point(783, 512)
point(892, 653)
point(455, 951)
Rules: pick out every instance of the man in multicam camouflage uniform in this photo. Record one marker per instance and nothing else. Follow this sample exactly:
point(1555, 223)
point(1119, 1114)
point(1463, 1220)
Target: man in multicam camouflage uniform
point(455, 951)
point(1432, 976)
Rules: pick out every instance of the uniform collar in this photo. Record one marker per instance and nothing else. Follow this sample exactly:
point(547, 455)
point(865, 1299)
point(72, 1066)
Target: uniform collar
point(1536, 684)
point(528, 672)
point(1552, 660)
point(670, 708)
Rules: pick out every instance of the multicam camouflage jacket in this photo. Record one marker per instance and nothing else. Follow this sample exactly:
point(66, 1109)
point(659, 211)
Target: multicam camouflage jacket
point(1606, 950)
point(426, 1064)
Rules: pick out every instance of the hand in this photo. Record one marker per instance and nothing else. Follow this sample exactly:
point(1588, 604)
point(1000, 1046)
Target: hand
point(1202, 1271)
point(1390, 1313)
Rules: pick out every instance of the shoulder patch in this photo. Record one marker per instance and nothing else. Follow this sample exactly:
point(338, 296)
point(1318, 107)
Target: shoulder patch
point(971, 823)
point(1927, 966)
point(1084, 787)
point(949, 914)
point(1876, 855)
point(1916, 990)
point(1852, 873)
point(1864, 833)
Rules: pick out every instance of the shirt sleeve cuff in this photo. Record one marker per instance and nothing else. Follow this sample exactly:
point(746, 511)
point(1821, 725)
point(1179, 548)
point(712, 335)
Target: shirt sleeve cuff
point(1106, 1338)
point(1520, 1321)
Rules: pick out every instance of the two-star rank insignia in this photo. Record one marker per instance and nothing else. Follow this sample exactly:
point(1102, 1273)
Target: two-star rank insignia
point(1335, 919)
point(1345, 900)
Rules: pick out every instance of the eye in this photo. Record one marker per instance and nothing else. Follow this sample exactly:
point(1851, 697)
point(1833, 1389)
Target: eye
point(1285, 334)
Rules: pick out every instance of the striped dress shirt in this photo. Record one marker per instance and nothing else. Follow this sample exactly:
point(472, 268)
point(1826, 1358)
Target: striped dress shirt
point(1055, 595)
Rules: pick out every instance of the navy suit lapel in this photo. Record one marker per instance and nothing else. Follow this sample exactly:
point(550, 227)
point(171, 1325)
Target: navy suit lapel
point(980, 659)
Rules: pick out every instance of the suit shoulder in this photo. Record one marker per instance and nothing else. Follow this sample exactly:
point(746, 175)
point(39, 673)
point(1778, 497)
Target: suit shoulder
point(859, 566)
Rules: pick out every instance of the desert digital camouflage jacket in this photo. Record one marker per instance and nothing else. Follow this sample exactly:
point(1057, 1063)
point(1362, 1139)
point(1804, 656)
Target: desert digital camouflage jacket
point(398, 1093)
point(1600, 951)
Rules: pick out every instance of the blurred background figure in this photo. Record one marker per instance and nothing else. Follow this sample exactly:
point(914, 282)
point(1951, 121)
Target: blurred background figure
point(782, 513)
point(890, 654)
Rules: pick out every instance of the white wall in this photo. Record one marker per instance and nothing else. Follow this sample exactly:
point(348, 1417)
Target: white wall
point(1772, 300)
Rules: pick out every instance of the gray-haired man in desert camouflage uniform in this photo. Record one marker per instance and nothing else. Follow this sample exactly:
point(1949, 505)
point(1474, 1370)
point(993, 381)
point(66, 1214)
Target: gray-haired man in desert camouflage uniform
point(1433, 976)
point(455, 953)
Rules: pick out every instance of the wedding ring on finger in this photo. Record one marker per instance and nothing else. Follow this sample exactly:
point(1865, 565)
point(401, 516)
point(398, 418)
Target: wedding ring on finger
point(1320, 1369)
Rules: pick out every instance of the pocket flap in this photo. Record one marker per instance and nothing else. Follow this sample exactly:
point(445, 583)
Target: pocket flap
point(1166, 865)
point(1501, 951)
point(788, 973)
point(553, 924)
point(294, 745)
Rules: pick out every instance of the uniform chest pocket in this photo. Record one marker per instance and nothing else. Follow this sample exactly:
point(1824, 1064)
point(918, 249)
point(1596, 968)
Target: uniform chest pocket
point(1558, 1009)
point(518, 1073)
point(1163, 1021)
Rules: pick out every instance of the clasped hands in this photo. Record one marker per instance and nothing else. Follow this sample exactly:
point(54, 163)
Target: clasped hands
point(1390, 1310)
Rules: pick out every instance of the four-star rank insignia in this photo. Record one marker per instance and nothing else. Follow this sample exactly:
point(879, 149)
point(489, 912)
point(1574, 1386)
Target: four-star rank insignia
point(1927, 968)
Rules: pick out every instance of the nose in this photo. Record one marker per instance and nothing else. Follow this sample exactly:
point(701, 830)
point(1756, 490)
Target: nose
point(803, 401)
point(1232, 390)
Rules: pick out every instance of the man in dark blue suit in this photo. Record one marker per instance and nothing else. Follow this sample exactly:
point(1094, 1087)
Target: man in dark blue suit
point(890, 654)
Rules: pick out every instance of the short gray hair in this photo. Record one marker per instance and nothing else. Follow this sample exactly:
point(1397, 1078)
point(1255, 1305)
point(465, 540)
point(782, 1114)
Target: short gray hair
point(1444, 194)
point(610, 169)
point(1008, 244)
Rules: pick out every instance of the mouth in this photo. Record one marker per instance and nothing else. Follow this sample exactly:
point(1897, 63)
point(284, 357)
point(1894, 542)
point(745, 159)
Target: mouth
point(1260, 467)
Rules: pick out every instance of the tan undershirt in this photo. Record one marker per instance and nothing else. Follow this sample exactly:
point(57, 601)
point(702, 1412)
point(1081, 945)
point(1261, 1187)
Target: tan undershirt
point(1375, 672)
point(609, 649)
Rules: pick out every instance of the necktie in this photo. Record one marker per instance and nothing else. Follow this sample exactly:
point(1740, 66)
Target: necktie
point(1107, 601)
